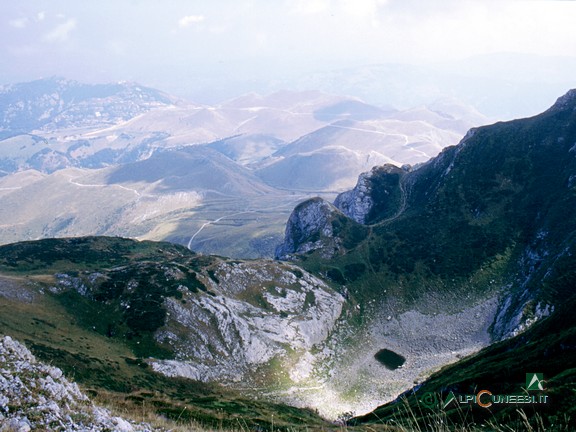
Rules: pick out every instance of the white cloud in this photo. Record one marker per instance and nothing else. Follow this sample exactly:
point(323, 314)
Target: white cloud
point(362, 8)
point(189, 20)
point(23, 22)
point(19, 23)
point(310, 7)
point(353, 7)
point(62, 32)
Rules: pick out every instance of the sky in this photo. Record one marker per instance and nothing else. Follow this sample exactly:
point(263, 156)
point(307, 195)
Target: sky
point(186, 46)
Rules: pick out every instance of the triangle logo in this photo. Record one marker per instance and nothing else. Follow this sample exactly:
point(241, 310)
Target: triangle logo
point(534, 381)
point(451, 396)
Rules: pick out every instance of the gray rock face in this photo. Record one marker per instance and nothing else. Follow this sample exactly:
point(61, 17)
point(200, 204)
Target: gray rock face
point(311, 224)
point(357, 203)
point(308, 228)
point(257, 311)
point(374, 196)
point(565, 102)
point(56, 403)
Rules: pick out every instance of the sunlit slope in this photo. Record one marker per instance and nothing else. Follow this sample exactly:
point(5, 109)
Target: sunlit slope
point(472, 247)
point(109, 311)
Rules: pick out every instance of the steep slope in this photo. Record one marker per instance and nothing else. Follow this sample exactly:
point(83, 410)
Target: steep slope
point(505, 191)
point(317, 225)
point(37, 396)
point(547, 348)
point(112, 311)
point(425, 265)
point(57, 103)
point(333, 156)
point(486, 229)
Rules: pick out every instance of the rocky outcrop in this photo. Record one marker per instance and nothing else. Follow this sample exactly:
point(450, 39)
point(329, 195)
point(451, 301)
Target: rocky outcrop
point(258, 311)
point(356, 203)
point(375, 192)
point(318, 225)
point(309, 228)
point(566, 102)
point(34, 396)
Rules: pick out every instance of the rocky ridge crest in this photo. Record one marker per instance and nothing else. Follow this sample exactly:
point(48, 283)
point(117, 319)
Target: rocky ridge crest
point(35, 396)
point(309, 228)
point(373, 197)
point(358, 202)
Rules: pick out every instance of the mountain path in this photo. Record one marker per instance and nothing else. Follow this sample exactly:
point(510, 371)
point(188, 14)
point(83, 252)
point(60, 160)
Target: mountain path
point(212, 222)
point(71, 181)
point(403, 202)
point(204, 225)
point(394, 134)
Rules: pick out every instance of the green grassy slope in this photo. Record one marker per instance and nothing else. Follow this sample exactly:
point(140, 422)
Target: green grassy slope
point(495, 215)
point(103, 345)
point(498, 210)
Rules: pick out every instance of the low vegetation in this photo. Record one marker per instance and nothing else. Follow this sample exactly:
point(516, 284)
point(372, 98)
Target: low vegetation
point(104, 349)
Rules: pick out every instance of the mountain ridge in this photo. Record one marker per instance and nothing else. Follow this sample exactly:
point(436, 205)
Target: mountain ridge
point(144, 320)
point(491, 219)
point(431, 262)
point(290, 145)
point(58, 102)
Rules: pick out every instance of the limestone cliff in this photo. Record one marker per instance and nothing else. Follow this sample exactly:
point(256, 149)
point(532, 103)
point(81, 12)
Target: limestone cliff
point(35, 396)
point(309, 228)
point(377, 195)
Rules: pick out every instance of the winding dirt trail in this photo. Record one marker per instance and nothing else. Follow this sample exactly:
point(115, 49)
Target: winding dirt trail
point(403, 202)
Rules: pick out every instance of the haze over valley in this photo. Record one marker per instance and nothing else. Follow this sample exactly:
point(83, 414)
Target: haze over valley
point(290, 215)
point(126, 160)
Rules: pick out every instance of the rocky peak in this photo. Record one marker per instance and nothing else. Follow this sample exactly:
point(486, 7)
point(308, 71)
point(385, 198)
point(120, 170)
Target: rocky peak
point(309, 227)
point(374, 196)
point(565, 102)
point(358, 202)
point(35, 396)
point(316, 224)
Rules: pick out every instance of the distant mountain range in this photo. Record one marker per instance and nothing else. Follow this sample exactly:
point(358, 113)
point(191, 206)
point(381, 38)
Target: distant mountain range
point(58, 103)
point(129, 160)
point(503, 86)
point(477, 245)
point(420, 286)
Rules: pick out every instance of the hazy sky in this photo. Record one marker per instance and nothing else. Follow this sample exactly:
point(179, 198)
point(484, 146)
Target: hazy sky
point(166, 43)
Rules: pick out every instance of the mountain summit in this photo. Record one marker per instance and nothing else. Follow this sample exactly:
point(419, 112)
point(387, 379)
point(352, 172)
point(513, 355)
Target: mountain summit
point(470, 254)
point(506, 194)
point(53, 103)
point(566, 102)
point(488, 224)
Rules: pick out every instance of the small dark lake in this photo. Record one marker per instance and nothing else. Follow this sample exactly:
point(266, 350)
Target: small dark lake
point(389, 359)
